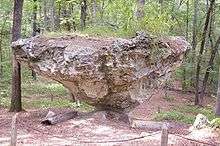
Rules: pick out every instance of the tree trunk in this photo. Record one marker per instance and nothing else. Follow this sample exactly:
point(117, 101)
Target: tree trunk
point(94, 11)
point(187, 38)
point(198, 100)
point(194, 39)
point(16, 105)
point(140, 9)
point(83, 14)
point(52, 15)
point(1, 43)
point(1, 51)
point(58, 15)
point(217, 111)
point(1, 56)
point(195, 18)
point(209, 67)
point(45, 15)
point(34, 31)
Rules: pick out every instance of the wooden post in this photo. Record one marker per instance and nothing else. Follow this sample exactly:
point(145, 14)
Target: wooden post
point(164, 135)
point(14, 130)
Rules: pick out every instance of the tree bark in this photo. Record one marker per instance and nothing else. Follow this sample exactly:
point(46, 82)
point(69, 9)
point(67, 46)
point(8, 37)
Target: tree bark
point(58, 15)
point(83, 14)
point(2, 33)
point(16, 104)
point(209, 67)
point(52, 16)
point(195, 17)
point(94, 11)
point(1, 51)
point(45, 15)
point(34, 32)
point(217, 111)
point(187, 38)
point(1, 56)
point(198, 100)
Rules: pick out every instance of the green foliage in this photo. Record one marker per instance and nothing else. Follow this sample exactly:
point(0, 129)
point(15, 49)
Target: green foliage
point(44, 103)
point(56, 103)
point(42, 88)
point(185, 114)
point(174, 116)
point(106, 32)
point(215, 123)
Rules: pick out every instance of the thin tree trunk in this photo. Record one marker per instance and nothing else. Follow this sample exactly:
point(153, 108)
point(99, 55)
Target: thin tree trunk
point(16, 104)
point(1, 51)
point(209, 67)
point(161, 6)
point(187, 38)
point(34, 24)
point(194, 39)
point(34, 32)
point(94, 11)
point(195, 18)
point(1, 57)
point(83, 14)
point(40, 11)
point(207, 5)
point(58, 15)
point(140, 9)
point(217, 110)
point(198, 100)
point(212, 36)
point(66, 15)
point(45, 15)
point(214, 50)
point(52, 15)
point(1, 42)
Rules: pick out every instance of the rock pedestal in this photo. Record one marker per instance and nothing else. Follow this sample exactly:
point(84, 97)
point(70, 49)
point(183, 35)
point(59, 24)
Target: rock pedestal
point(110, 73)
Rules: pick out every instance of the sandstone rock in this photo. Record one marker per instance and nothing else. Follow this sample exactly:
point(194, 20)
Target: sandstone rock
point(111, 73)
point(200, 122)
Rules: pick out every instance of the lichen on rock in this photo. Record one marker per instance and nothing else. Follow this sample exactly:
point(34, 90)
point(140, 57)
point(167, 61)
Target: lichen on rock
point(109, 73)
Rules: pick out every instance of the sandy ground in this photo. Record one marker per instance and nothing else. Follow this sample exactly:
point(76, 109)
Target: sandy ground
point(96, 130)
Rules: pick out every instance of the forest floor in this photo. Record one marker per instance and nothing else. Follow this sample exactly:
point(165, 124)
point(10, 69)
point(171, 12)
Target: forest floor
point(42, 96)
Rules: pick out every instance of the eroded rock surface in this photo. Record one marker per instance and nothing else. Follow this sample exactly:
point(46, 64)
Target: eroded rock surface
point(111, 74)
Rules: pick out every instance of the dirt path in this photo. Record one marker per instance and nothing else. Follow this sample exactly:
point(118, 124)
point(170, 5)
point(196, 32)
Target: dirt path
point(94, 130)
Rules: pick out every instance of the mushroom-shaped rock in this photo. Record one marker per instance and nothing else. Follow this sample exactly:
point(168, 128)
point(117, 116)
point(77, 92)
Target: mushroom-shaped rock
point(109, 73)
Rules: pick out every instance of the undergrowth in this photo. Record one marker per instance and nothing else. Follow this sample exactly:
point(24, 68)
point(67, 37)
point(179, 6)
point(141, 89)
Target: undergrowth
point(185, 114)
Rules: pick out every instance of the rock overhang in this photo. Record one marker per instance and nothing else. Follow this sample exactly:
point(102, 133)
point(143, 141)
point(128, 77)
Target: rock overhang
point(104, 72)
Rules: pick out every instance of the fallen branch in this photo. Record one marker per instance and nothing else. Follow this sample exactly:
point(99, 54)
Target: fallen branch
point(52, 118)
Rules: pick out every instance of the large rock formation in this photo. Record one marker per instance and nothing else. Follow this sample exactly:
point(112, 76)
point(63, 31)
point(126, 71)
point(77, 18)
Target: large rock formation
point(110, 74)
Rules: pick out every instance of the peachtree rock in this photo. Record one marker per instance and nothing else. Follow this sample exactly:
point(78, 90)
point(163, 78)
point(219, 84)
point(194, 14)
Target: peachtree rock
point(108, 73)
